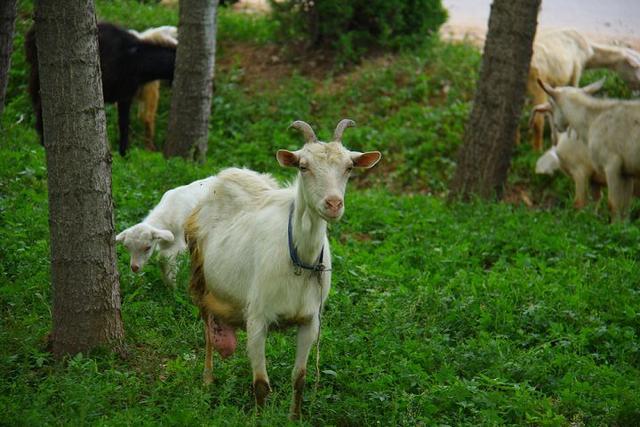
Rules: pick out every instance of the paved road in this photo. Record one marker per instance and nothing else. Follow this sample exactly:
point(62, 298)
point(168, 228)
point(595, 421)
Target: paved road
point(617, 20)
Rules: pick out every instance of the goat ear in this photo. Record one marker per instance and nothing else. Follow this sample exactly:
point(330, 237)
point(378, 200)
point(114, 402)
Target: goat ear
point(365, 160)
point(594, 87)
point(547, 88)
point(287, 158)
point(120, 237)
point(165, 235)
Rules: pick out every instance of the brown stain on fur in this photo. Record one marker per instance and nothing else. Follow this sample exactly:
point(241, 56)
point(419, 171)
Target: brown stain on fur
point(197, 284)
point(221, 308)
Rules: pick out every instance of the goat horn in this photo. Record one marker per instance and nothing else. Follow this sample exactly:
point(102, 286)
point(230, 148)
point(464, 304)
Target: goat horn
point(540, 108)
point(307, 131)
point(344, 123)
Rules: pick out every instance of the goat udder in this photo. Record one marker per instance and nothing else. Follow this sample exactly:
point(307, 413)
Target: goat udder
point(224, 339)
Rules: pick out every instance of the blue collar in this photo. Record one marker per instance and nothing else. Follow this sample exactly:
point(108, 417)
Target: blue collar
point(319, 267)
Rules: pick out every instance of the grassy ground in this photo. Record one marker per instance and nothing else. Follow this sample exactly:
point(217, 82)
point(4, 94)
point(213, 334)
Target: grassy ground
point(480, 314)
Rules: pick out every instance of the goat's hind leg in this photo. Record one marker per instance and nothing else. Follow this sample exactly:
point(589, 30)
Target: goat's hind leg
point(620, 190)
point(307, 335)
point(209, 331)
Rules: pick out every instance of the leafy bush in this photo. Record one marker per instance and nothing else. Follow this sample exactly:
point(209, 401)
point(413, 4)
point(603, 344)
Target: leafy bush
point(352, 27)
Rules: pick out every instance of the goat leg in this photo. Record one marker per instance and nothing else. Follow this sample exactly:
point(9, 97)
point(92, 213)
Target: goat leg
point(256, 338)
point(307, 335)
point(123, 124)
point(209, 331)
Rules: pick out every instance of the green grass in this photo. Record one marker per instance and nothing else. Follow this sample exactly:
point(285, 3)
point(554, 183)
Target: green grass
point(462, 314)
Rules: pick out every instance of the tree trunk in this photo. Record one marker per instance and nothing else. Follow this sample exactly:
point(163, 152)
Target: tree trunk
point(7, 27)
point(86, 291)
point(485, 155)
point(193, 82)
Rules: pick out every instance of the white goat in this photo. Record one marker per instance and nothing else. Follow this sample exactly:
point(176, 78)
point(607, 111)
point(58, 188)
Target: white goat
point(260, 254)
point(622, 60)
point(559, 58)
point(163, 228)
point(612, 131)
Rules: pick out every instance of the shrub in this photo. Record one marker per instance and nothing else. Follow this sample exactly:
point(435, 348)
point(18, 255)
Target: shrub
point(352, 27)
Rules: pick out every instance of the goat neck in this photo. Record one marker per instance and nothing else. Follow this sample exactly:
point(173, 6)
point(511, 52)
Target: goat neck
point(309, 228)
point(580, 109)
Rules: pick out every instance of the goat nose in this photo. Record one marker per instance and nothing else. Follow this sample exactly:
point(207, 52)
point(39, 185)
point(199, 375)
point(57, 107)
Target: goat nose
point(333, 203)
point(135, 268)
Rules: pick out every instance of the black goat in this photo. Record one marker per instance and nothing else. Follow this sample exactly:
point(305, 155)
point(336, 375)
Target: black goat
point(126, 63)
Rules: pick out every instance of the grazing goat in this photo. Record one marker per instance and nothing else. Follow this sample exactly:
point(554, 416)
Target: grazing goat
point(622, 60)
point(163, 228)
point(260, 256)
point(149, 94)
point(612, 131)
point(560, 57)
point(126, 63)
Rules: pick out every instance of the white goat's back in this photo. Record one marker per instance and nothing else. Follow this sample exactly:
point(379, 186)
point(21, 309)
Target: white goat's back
point(240, 190)
point(166, 35)
point(176, 204)
point(559, 56)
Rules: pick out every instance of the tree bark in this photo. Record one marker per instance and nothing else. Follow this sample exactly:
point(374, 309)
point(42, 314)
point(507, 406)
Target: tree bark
point(7, 28)
point(193, 81)
point(485, 155)
point(86, 291)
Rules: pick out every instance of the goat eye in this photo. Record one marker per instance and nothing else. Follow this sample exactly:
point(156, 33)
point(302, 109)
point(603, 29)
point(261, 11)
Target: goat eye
point(303, 168)
point(349, 169)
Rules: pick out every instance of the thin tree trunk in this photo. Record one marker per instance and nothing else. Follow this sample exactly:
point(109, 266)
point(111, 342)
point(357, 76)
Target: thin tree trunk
point(193, 82)
point(485, 155)
point(86, 291)
point(7, 28)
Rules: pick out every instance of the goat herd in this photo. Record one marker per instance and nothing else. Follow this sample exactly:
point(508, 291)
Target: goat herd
point(260, 256)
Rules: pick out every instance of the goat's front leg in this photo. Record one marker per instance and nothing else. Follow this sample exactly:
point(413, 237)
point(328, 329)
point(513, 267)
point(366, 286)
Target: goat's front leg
point(307, 335)
point(581, 180)
point(168, 267)
point(256, 338)
point(123, 124)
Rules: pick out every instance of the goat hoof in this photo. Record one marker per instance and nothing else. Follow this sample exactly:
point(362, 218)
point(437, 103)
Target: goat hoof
point(294, 416)
point(296, 403)
point(261, 390)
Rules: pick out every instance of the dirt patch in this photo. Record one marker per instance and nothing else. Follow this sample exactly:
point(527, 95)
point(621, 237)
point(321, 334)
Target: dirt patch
point(261, 67)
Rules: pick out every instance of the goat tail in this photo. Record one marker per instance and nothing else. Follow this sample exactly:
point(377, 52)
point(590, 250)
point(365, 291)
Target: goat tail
point(197, 284)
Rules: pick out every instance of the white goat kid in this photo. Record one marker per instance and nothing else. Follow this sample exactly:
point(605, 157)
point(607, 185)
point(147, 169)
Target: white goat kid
point(571, 155)
point(260, 256)
point(163, 229)
point(612, 130)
